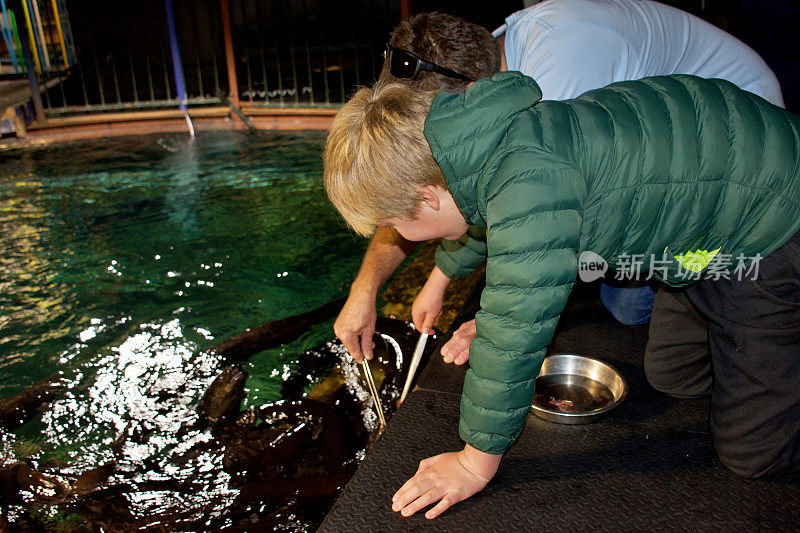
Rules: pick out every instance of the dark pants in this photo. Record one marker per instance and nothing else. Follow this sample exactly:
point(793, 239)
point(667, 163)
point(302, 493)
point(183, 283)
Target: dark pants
point(739, 342)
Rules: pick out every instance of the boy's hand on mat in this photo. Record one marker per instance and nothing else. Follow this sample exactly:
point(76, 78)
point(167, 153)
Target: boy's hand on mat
point(355, 325)
point(447, 479)
point(456, 350)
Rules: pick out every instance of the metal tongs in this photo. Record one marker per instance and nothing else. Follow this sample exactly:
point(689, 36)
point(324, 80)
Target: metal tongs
point(373, 390)
point(412, 367)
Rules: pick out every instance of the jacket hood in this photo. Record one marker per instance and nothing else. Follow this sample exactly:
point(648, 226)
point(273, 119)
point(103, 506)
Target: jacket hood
point(463, 140)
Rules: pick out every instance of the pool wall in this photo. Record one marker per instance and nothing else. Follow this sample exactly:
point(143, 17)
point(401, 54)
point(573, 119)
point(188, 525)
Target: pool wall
point(165, 121)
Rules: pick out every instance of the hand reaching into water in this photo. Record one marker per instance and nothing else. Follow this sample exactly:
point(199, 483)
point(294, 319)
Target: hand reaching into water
point(456, 350)
point(355, 325)
point(447, 479)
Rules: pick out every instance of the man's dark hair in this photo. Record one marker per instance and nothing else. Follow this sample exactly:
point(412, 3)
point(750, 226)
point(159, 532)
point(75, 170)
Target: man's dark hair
point(448, 41)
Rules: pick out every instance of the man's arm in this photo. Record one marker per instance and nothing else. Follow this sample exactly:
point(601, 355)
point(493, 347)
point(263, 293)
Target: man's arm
point(356, 322)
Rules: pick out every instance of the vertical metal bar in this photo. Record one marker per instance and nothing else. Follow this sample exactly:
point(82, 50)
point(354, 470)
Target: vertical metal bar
point(113, 63)
point(213, 38)
point(324, 60)
point(37, 97)
point(57, 21)
point(130, 16)
point(83, 84)
point(63, 93)
point(147, 64)
point(308, 56)
point(133, 73)
point(157, 28)
point(31, 35)
point(243, 6)
point(52, 34)
point(233, 82)
point(197, 51)
point(45, 54)
point(166, 73)
point(354, 28)
point(96, 67)
point(48, 103)
point(338, 25)
point(70, 41)
point(405, 9)
point(277, 52)
point(149, 76)
point(371, 44)
point(17, 42)
point(80, 65)
point(83, 87)
point(55, 27)
point(297, 88)
point(40, 33)
point(264, 54)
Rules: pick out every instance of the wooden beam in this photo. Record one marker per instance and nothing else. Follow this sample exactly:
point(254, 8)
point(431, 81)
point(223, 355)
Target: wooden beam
point(230, 59)
point(405, 9)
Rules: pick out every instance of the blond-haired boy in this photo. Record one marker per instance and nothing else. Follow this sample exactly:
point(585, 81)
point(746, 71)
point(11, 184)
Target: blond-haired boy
point(684, 171)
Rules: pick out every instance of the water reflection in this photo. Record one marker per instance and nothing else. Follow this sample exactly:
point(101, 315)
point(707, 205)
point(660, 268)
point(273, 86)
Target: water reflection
point(123, 261)
point(183, 192)
point(279, 465)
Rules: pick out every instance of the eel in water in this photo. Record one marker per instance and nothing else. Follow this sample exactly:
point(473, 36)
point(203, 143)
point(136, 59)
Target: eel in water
point(222, 400)
point(21, 407)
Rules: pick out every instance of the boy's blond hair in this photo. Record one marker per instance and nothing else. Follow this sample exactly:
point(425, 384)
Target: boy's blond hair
point(376, 156)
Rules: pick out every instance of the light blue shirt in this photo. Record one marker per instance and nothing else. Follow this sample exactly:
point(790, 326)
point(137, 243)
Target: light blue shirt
point(572, 46)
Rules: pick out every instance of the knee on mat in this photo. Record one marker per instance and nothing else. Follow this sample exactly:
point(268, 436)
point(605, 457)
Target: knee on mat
point(666, 383)
point(757, 465)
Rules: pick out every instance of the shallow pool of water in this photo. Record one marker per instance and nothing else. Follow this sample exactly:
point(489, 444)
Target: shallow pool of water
point(123, 259)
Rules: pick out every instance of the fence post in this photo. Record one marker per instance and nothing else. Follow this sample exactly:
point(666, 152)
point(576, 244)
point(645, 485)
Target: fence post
point(233, 84)
point(36, 94)
point(405, 9)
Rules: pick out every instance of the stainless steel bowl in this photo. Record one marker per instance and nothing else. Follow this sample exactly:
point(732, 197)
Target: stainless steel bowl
point(573, 389)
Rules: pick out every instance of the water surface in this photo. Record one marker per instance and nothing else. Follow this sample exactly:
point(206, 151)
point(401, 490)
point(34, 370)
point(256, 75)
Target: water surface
point(123, 259)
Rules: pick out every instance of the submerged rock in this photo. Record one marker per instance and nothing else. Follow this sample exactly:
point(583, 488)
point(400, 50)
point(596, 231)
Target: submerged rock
point(283, 431)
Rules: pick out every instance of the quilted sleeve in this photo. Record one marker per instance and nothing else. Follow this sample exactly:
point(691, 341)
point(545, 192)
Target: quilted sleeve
point(459, 258)
point(533, 212)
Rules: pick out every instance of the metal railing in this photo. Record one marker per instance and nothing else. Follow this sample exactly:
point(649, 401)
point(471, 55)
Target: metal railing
point(115, 55)
point(287, 53)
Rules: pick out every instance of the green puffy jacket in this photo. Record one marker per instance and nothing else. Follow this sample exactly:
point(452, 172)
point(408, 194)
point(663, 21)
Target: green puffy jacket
point(674, 167)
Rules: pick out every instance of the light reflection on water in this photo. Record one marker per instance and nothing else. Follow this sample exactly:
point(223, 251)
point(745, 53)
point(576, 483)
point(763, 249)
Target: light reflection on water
point(122, 261)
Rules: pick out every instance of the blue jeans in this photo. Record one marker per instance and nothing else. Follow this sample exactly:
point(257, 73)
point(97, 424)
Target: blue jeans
point(630, 305)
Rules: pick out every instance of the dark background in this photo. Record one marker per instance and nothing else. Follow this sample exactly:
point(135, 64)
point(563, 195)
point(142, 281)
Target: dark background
point(315, 52)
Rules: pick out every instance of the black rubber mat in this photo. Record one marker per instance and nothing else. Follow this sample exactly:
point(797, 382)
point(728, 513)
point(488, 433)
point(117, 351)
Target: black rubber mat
point(647, 465)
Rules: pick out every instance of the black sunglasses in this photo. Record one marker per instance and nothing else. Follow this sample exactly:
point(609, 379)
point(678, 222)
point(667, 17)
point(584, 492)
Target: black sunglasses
point(404, 64)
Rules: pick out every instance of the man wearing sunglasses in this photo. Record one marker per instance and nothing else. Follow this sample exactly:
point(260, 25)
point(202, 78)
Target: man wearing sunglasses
point(568, 47)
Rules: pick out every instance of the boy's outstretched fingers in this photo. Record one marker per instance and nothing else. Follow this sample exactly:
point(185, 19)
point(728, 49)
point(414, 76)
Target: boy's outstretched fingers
point(456, 350)
point(444, 479)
